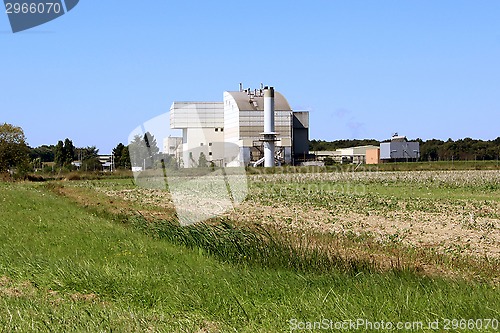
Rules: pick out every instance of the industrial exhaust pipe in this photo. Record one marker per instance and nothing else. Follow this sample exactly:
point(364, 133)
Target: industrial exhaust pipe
point(269, 133)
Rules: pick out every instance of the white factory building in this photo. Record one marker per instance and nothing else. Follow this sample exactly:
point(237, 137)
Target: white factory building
point(231, 132)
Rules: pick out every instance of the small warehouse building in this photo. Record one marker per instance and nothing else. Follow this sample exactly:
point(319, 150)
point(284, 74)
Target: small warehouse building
point(399, 149)
point(356, 155)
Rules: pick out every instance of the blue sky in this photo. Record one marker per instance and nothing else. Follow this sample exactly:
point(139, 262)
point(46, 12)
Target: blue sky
point(364, 69)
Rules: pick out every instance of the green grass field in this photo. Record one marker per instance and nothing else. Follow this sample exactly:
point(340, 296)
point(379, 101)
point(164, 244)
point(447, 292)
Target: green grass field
point(92, 265)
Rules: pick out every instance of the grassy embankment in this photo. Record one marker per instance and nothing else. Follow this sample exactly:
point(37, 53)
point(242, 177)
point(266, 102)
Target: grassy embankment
point(64, 267)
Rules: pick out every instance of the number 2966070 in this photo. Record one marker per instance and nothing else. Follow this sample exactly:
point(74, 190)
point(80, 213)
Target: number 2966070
point(33, 8)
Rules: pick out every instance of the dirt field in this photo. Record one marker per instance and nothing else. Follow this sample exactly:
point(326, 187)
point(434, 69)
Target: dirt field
point(454, 212)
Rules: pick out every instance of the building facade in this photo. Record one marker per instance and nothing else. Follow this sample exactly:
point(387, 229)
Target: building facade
point(229, 133)
point(399, 149)
point(373, 156)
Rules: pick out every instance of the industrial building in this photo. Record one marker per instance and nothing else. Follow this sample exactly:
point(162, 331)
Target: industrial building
point(399, 149)
point(171, 144)
point(242, 130)
point(356, 155)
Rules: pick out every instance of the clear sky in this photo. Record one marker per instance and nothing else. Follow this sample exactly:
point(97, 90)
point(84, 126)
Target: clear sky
point(364, 69)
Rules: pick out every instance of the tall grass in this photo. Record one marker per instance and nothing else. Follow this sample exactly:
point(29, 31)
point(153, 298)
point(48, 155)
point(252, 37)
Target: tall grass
point(257, 246)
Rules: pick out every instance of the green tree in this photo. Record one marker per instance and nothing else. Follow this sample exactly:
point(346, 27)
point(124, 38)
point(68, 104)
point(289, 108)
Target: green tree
point(117, 156)
point(315, 145)
point(429, 150)
point(170, 162)
point(14, 152)
point(143, 150)
point(59, 154)
point(202, 161)
point(90, 158)
point(44, 153)
point(151, 145)
point(125, 158)
point(91, 164)
point(85, 153)
point(138, 151)
point(64, 153)
point(69, 152)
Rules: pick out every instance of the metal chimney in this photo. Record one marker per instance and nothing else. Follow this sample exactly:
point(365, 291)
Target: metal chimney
point(269, 133)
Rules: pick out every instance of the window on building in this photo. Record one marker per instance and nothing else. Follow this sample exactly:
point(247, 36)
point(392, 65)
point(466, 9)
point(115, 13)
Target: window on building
point(210, 153)
point(201, 144)
point(222, 129)
point(216, 129)
point(210, 144)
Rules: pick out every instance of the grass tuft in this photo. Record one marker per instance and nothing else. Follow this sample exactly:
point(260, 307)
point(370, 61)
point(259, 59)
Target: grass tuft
point(256, 246)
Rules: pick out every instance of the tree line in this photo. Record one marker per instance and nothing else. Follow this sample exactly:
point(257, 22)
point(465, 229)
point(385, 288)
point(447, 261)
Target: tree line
point(143, 152)
point(64, 154)
point(430, 150)
point(15, 154)
point(464, 149)
point(315, 145)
